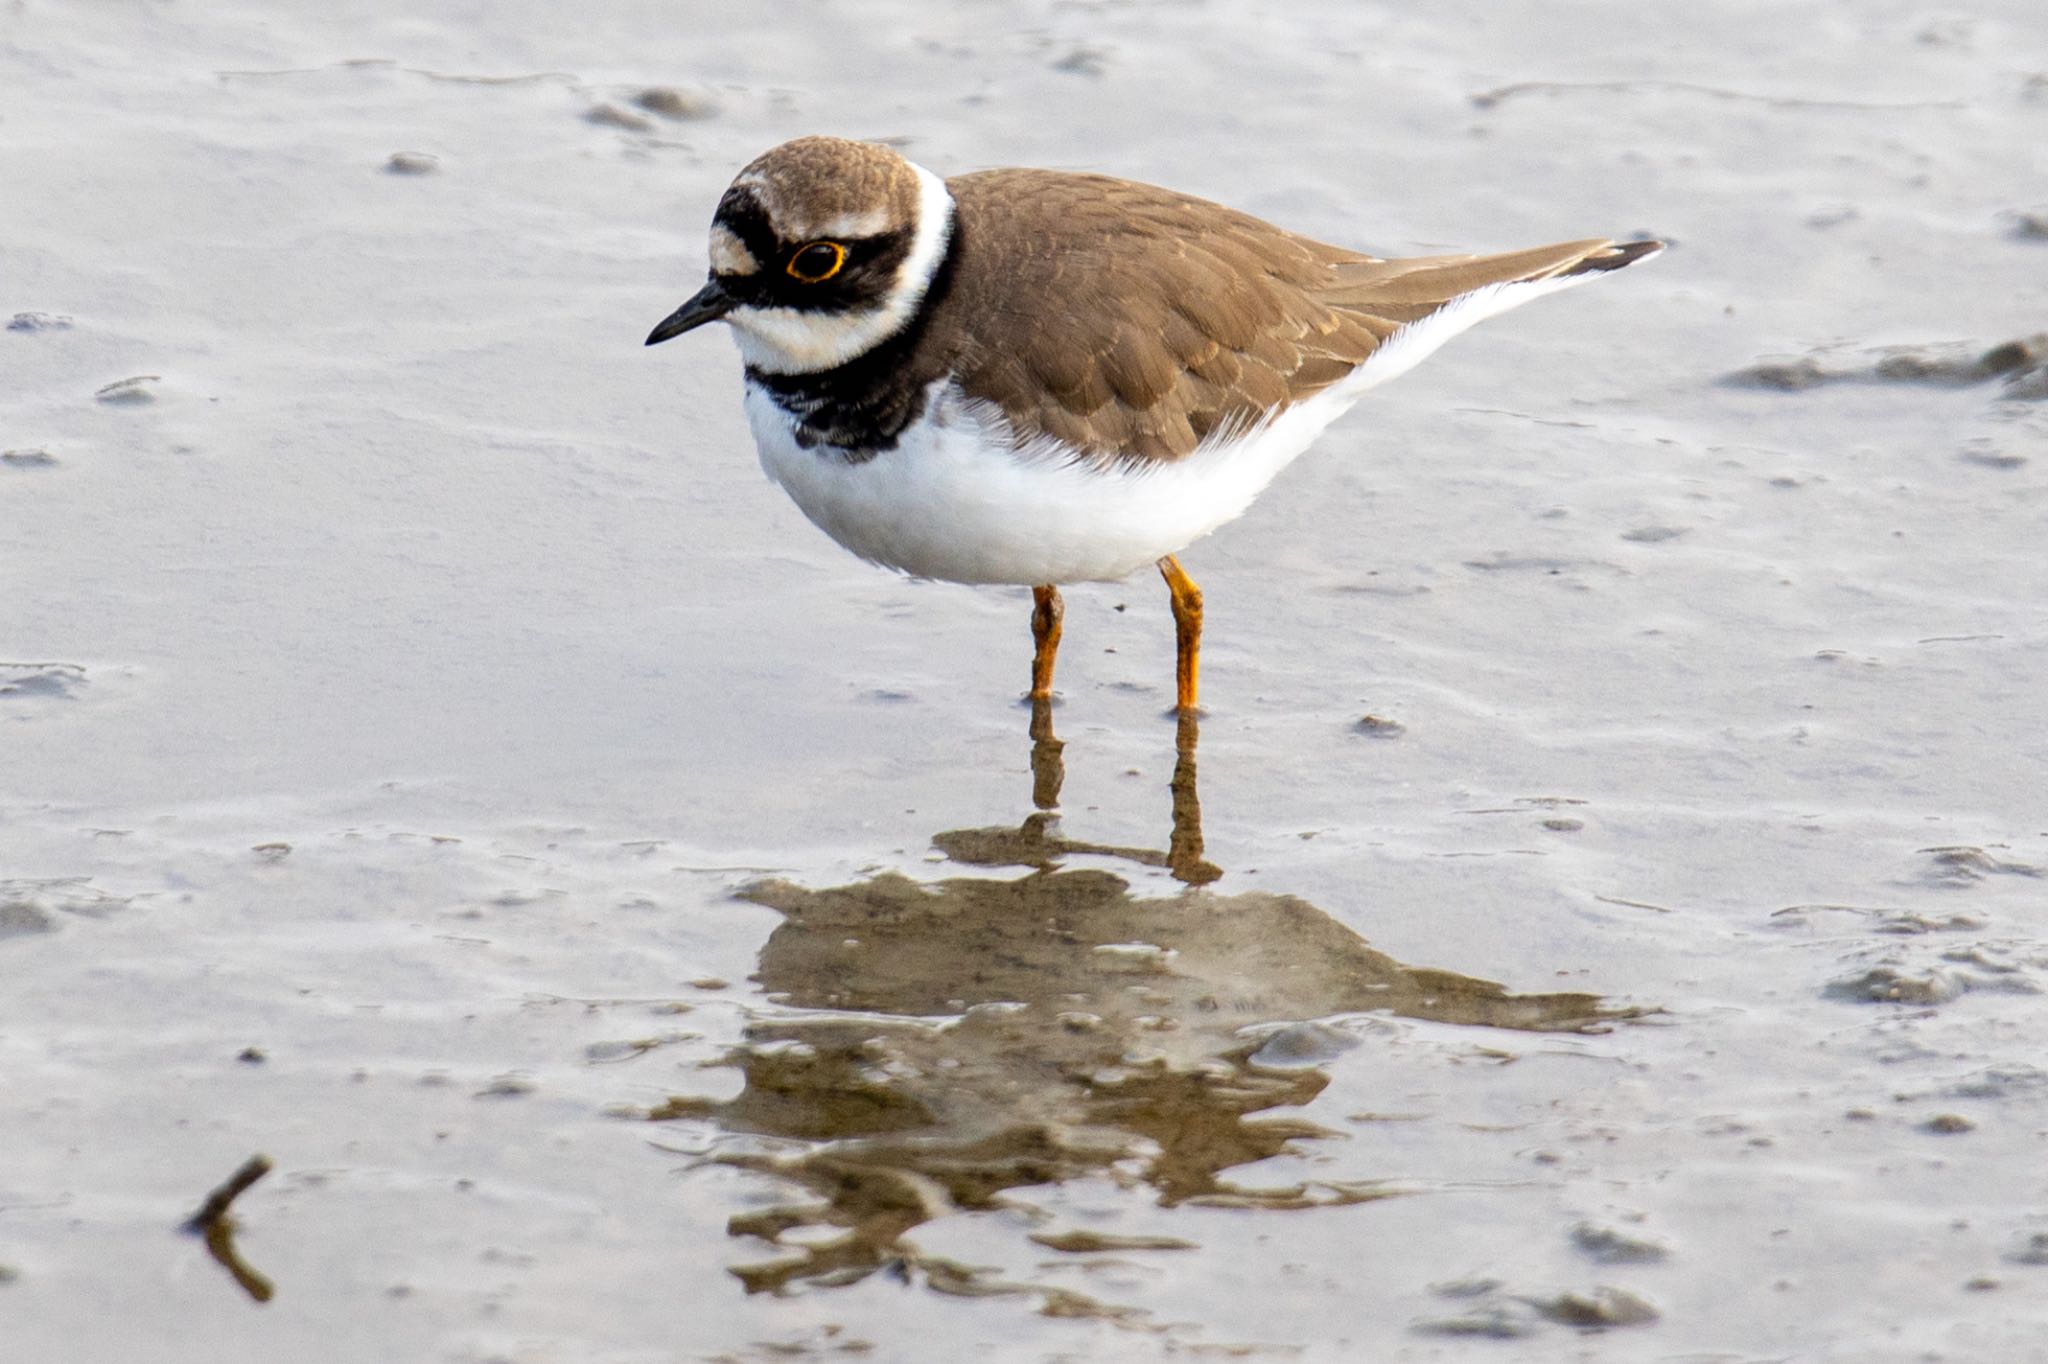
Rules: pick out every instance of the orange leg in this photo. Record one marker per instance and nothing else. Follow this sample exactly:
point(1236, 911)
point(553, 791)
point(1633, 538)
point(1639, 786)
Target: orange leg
point(1047, 611)
point(1187, 630)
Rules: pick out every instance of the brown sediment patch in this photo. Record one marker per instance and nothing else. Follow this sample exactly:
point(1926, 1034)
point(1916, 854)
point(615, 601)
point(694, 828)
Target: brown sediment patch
point(2021, 364)
point(31, 905)
point(1096, 1243)
point(676, 105)
point(40, 679)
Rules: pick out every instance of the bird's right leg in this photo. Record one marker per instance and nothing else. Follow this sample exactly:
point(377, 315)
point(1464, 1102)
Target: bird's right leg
point(1187, 631)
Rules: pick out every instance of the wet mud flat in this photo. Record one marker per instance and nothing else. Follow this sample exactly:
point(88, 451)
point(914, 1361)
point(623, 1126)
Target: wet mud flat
point(1109, 1093)
point(1600, 915)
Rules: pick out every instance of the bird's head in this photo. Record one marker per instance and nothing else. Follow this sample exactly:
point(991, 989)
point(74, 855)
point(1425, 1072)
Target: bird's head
point(820, 250)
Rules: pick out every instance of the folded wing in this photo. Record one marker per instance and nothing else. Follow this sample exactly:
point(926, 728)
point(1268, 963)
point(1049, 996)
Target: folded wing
point(1146, 321)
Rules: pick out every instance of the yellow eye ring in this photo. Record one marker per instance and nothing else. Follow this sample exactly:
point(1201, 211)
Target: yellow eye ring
point(816, 262)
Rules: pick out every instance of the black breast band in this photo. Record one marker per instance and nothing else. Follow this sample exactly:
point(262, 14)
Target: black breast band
point(861, 408)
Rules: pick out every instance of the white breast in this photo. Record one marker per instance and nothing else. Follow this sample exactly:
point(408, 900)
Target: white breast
point(954, 500)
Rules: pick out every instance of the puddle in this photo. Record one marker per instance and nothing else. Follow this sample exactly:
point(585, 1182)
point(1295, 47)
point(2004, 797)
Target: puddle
point(977, 1034)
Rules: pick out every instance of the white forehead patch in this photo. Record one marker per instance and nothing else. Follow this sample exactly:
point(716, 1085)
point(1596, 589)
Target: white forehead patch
point(729, 255)
point(872, 223)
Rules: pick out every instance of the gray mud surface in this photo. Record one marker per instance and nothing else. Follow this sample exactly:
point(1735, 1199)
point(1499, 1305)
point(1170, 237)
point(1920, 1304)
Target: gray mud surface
point(1601, 914)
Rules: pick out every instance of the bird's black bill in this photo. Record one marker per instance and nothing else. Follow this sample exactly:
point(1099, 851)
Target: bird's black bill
point(711, 303)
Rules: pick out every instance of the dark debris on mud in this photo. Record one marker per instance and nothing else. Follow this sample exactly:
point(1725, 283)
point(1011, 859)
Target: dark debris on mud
point(2021, 366)
point(59, 680)
point(1491, 1312)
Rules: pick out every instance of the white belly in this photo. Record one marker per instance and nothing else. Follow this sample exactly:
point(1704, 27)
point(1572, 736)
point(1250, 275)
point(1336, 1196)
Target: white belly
point(955, 501)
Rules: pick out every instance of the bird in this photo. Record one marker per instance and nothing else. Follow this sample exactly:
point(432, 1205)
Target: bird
point(1043, 377)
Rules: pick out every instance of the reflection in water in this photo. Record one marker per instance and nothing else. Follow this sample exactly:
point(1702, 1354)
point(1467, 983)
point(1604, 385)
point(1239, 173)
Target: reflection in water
point(1036, 843)
point(985, 1033)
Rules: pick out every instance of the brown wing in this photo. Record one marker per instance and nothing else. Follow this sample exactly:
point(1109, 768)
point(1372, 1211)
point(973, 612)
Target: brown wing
point(1136, 321)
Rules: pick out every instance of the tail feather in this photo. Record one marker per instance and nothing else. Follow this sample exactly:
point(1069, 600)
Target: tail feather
point(1615, 256)
point(1431, 299)
point(1407, 289)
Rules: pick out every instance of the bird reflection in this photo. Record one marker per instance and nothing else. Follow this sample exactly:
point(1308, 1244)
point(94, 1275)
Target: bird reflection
point(947, 1041)
point(1037, 843)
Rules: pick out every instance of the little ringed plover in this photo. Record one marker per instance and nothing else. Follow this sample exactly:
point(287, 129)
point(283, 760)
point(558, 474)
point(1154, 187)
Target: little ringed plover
point(1037, 377)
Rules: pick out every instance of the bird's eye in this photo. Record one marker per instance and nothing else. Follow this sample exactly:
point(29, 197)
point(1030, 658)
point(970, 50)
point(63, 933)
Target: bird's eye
point(817, 262)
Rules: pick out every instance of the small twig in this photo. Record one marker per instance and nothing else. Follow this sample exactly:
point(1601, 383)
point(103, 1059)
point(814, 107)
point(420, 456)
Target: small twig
point(213, 1223)
point(216, 1205)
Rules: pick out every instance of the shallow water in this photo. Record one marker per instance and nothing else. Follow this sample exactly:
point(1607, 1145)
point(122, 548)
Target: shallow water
point(1601, 910)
